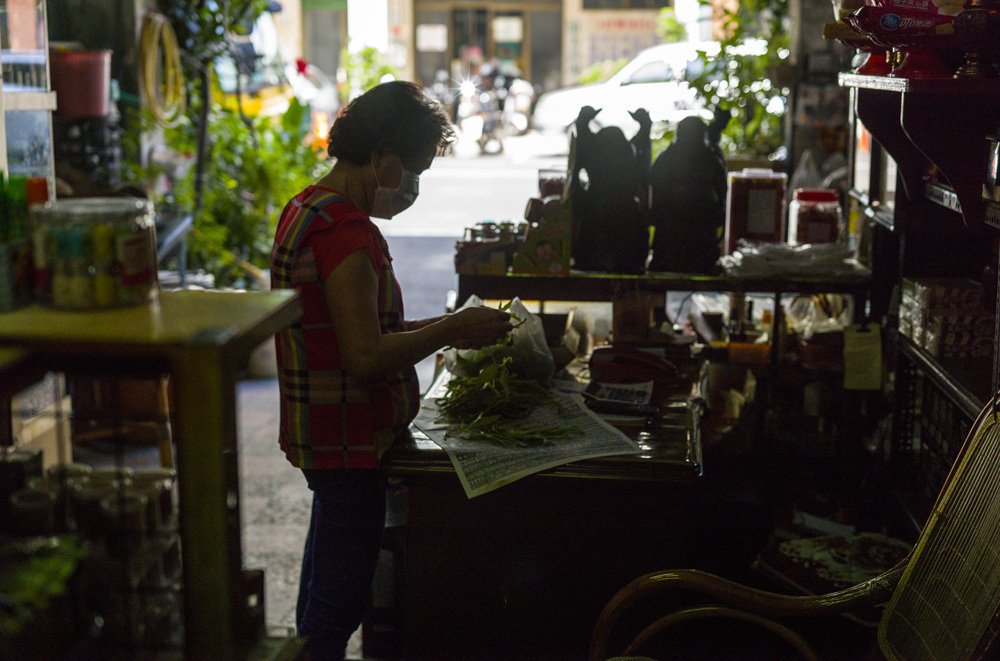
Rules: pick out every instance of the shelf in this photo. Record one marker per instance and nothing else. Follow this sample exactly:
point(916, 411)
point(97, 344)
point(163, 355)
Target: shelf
point(991, 216)
point(588, 286)
point(881, 217)
point(29, 101)
point(939, 122)
point(944, 86)
point(942, 195)
point(864, 199)
point(966, 381)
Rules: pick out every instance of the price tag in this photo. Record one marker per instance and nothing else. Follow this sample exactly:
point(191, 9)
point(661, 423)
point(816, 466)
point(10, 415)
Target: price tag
point(862, 357)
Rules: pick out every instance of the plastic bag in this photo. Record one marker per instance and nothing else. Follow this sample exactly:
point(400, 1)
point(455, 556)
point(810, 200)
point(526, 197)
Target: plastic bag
point(531, 356)
point(822, 313)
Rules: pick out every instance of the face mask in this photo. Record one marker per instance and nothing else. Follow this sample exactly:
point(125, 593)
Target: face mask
point(391, 201)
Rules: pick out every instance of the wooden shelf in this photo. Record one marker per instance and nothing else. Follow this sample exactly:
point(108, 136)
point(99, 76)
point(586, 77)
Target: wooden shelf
point(587, 286)
point(35, 100)
point(939, 122)
point(943, 86)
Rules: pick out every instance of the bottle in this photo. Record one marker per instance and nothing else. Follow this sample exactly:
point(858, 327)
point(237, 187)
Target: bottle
point(38, 193)
point(81, 283)
point(4, 225)
point(19, 251)
point(17, 208)
point(102, 240)
point(58, 242)
point(737, 316)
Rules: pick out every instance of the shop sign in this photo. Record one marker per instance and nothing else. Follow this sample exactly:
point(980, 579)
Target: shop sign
point(508, 29)
point(432, 38)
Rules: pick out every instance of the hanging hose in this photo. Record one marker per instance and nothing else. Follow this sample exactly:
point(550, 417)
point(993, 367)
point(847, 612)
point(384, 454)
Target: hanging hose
point(164, 97)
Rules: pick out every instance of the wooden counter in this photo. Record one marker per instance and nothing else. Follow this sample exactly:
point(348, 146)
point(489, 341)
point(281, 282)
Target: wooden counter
point(523, 571)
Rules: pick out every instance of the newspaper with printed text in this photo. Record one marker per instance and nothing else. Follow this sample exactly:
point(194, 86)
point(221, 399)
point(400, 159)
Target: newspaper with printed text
point(483, 466)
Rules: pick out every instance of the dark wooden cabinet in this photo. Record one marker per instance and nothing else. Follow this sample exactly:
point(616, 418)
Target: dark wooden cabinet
point(930, 222)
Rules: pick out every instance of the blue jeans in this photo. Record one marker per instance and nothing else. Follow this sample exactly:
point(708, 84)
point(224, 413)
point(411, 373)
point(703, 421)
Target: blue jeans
point(341, 552)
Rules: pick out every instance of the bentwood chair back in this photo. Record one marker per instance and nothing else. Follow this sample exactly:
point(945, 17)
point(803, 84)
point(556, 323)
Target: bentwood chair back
point(947, 602)
point(943, 600)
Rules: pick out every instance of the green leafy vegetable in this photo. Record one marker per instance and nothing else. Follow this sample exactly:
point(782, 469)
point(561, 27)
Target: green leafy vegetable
point(482, 406)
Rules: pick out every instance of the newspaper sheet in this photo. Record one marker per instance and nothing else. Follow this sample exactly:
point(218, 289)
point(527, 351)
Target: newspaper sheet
point(483, 467)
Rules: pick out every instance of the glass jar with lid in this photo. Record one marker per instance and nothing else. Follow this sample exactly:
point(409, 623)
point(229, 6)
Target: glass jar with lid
point(95, 253)
point(814, 216)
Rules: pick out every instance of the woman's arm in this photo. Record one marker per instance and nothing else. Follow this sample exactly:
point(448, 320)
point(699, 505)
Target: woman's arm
point(417, 324)
point(365, 352)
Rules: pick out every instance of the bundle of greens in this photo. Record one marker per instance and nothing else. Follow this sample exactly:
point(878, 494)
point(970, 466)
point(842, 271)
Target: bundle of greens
point(481, 405)
point(525, 345)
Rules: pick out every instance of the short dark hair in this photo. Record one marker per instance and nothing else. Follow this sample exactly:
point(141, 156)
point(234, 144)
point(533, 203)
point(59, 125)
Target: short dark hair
point(396, 116)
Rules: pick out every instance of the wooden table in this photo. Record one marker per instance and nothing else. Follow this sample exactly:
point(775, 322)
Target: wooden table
point(524, 570)
point(202, 339)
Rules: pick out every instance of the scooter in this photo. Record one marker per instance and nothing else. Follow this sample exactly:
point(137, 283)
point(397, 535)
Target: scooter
point(479, 116)
point(517, 96)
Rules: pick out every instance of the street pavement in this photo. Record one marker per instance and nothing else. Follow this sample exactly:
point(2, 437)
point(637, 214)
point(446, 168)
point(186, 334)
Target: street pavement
point(467, 187)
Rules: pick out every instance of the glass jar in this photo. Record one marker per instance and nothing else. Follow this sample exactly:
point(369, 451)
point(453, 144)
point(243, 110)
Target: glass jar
point(755, 207)
point(95, 253)
point(814, 216)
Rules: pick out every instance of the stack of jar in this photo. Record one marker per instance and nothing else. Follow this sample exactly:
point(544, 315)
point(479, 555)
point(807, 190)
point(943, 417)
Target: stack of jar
point(488, 247)
point(127, 520)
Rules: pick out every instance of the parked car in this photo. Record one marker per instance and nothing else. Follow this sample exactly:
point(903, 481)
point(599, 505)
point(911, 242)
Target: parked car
point(653, 80)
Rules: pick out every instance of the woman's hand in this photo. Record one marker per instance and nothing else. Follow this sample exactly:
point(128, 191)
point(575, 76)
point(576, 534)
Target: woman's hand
point(479, 327)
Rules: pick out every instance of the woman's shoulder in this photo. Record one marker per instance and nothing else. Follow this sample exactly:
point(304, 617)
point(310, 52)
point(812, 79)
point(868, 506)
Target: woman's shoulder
point(320, 196)
point(328, 205)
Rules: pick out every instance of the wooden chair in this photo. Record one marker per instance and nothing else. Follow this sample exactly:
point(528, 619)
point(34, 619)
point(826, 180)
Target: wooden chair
point(943, 600)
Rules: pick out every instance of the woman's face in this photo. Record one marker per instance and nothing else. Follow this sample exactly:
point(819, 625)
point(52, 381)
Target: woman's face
point(389, 168)
point(396, 184)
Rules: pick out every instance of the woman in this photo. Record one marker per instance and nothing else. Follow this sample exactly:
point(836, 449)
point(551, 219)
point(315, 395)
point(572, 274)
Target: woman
point(346, 370)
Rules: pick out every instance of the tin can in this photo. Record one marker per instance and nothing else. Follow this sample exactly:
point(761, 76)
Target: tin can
point(100, 252)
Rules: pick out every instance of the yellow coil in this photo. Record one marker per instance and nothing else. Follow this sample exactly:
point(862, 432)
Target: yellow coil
point(164, 97)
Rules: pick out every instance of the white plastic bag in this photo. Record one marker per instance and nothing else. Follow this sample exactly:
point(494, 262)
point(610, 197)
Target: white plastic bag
point(532, 358)
point(807, 317)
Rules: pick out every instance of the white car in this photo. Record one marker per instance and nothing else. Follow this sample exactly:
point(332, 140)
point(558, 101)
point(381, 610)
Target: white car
point(653, 80)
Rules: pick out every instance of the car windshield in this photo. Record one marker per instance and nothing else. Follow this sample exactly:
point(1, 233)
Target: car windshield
point(651, 72)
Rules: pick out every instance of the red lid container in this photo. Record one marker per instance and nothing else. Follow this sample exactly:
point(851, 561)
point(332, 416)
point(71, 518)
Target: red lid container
point(81, 80)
